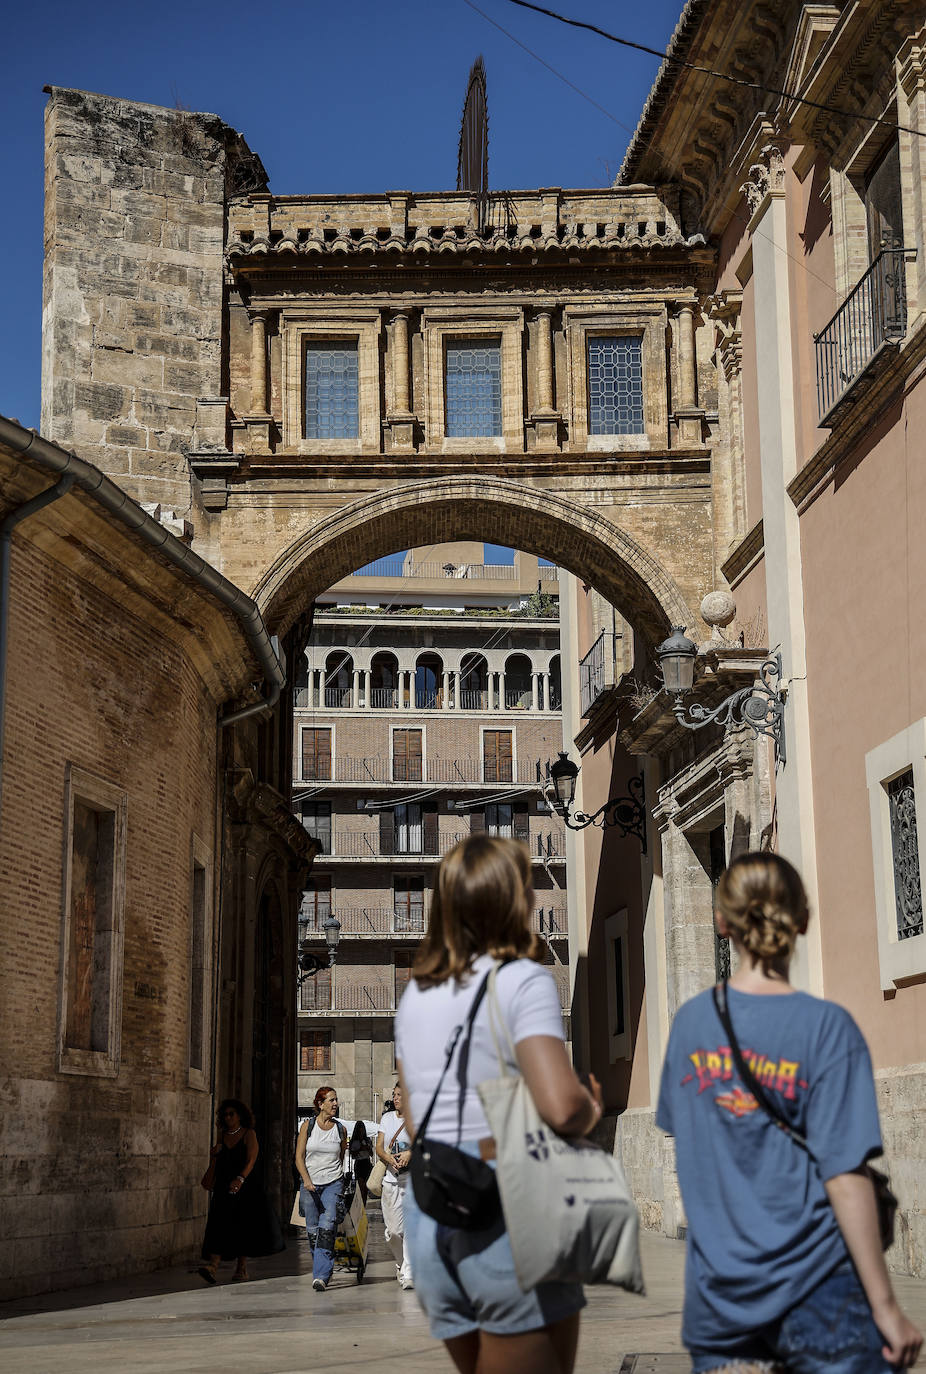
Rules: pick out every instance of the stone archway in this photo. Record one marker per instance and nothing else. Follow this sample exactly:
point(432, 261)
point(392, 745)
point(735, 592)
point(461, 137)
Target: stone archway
point(493, 509)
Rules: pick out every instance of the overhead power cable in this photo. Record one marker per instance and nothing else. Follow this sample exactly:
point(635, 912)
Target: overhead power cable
point(709, 71)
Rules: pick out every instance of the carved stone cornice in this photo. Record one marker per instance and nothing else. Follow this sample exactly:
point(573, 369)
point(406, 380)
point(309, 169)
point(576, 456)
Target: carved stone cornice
point(257, 803)
point(724, 309)
point(766, 177)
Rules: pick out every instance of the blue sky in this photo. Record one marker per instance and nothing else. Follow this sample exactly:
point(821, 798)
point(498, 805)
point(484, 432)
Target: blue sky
point(359, 97)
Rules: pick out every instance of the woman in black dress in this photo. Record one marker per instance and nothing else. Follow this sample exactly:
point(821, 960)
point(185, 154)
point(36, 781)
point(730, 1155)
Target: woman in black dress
point(241, 1222)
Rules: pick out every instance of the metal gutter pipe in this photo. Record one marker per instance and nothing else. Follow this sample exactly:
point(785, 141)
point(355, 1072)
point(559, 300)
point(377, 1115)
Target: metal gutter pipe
point(113, 499)
point(37, 503)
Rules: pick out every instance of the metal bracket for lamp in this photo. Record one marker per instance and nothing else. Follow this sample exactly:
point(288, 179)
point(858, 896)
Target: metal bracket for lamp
point(628, 813)
point(761, 706)
point(310, 964)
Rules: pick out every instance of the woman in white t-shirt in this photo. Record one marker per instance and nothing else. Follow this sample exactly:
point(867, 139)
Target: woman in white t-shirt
point(394, 1148)
point(320, 1148)
point(465, 1279)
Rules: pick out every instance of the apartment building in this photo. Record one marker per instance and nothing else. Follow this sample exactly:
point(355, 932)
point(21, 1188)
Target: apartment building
point(427, 708)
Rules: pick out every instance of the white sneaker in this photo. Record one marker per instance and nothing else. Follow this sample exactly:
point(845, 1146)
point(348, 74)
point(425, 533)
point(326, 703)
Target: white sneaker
point(319, 1285)
point(405, 1283)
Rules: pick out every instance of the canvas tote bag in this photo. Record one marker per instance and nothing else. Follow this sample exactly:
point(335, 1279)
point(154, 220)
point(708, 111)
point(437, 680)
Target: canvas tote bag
point(378, 1172)
point(568, 1210)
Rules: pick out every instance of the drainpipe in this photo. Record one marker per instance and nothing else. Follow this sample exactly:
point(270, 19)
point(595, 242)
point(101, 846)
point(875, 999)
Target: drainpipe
point(121, 505)
point(37, 503)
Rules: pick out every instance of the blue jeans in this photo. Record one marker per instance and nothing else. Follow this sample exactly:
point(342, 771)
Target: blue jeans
point(321, 1224)
point(831, 1330)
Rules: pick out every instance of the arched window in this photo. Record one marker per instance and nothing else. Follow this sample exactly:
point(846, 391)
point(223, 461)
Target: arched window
point(518, 689)
point(555, 702)
point(384, 681)
point(339, 672)
point(474, 683)
point(429, 673)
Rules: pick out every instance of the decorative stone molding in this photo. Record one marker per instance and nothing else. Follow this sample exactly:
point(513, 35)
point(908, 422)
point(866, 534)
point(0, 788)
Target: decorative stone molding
point(724, 309)
point(766, 178)
point(401, 423)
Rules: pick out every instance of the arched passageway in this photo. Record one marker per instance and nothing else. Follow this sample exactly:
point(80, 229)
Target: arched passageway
point(631, 577)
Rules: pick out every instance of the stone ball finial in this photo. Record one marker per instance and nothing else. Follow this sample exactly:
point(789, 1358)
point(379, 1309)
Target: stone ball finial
point(718, 608)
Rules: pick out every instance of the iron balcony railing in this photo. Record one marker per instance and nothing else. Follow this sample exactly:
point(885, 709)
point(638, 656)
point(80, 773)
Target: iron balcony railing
point(384, 698)
point(596, 671)
point(873, 314)
point(474, 572)
point(364, 921)
point(411, 841)
point(549, 921)
point(359, 997)
point(338, 698)
point(353, 769)
point(518, 699)
point(391, 699)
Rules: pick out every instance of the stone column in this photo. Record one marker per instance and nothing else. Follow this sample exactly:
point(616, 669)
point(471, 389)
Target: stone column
point(535, 704)
point(259, 363)
point(543, 423)
point(445, 690)
point(687, 414)
point(456, 690)
point(400, 364)
point(686, 356)
point(355, 688)
point(544, 362)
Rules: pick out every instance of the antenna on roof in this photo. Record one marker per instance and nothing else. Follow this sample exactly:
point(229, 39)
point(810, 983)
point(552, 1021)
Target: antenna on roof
point(473, 152)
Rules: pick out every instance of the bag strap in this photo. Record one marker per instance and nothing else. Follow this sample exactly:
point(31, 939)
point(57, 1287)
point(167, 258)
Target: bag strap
point(497, 1025)
point(455, 1035)
point(748, 1077)
point(397, 1134)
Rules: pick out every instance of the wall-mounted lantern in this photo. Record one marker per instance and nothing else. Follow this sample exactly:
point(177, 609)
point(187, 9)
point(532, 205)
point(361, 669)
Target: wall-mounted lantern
point(627, 813)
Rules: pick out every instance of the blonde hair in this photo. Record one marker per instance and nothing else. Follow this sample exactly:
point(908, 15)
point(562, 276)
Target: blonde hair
point(480, 906)
point(762, 899)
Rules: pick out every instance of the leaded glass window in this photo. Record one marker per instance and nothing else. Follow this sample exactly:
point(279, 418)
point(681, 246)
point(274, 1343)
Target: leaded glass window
point(908, 892)
point(331, 410)
point(615, 385)
point(474, 389)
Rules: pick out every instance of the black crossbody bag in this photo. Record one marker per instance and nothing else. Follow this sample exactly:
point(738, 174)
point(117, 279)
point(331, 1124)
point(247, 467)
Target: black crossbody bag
point(452, 1187)
point(886, 1201)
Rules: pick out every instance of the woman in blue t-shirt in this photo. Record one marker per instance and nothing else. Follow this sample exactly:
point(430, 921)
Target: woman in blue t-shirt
point(784, 1262)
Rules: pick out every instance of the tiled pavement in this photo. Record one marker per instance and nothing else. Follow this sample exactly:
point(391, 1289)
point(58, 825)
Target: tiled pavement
point(169, 1321)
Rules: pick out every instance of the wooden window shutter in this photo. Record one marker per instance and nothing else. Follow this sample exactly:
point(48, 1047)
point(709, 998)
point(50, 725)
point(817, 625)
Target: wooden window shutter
point(477, 822)
point(406, 755)
point(316, 754)
point(521, 822)
point(386, 832)
point(429, 819)
point(496, 755)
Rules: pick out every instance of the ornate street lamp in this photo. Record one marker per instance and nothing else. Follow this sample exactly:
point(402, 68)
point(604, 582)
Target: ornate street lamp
point(627, 813)
point(761, 706)
point(309, 963)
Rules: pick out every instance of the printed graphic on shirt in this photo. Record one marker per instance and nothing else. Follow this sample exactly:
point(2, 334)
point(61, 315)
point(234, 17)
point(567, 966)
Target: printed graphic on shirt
point(715, 1067)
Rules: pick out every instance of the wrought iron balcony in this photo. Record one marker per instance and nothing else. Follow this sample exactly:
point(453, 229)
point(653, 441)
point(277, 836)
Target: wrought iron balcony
point(872, 315)
point(371, 768)
point(365, 921)
point(596, 670)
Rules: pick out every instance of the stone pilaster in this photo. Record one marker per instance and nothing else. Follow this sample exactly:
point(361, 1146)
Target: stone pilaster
point(545, 421)
point(689, 417)
point(400, 421)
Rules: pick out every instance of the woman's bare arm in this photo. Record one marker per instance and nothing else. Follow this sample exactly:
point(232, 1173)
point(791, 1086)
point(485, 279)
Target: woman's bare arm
point(558, 1095)
point(301, 1167)
point(853, 1200)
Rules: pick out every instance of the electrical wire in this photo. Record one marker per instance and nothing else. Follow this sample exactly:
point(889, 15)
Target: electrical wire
point(671, 166)
point(709, 71)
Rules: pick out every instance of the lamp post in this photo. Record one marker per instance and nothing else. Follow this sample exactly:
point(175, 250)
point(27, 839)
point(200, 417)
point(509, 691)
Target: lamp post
point(761, 706)
point(627, 813)
point(309, 963)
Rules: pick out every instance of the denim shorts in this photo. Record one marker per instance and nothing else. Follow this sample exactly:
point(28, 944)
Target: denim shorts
point(465, 1280)
point(831, 1330)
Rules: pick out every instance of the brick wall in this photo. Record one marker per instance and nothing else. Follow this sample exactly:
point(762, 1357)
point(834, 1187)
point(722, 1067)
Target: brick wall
point(98, 1176)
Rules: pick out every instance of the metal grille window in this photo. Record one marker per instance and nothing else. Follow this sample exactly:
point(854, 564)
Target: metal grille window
point(615, 385)
point(908, 892)
point(331, 409)
point(474, 389)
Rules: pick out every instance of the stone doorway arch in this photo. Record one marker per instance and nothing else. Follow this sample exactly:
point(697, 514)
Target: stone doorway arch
point(496, 510)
